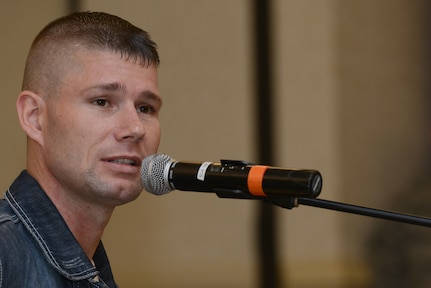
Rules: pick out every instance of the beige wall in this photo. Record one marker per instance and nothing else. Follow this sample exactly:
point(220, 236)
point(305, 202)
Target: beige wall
point(350, 91)
point(18, 25)
point(352, 95)
point(307, 115)
point(383, 89)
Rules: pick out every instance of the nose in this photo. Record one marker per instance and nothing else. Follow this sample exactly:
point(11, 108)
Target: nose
point(130, 126)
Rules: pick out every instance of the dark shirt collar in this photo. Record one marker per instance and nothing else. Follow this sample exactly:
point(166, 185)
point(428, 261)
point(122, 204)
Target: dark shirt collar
point(48, 228)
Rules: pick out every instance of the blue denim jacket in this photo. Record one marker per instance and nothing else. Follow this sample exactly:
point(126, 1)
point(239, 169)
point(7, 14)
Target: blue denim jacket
point(37, 249)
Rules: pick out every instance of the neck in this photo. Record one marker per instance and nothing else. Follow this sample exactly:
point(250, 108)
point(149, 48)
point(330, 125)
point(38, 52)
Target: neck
point(86, 220)
point(86, 223)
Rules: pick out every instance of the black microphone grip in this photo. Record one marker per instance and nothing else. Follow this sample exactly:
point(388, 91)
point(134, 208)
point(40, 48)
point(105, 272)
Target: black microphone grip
point(231, 175)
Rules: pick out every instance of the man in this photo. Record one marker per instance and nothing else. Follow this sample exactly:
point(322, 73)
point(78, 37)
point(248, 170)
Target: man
point(89, 107)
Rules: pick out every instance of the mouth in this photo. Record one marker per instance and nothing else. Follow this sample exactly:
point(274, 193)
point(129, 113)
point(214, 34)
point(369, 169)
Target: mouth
point(132, 161)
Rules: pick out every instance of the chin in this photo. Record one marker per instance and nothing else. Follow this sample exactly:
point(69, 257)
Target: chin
point(128, 195)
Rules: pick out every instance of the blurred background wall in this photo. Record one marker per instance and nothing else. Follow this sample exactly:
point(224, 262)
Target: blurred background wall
point(351, 100)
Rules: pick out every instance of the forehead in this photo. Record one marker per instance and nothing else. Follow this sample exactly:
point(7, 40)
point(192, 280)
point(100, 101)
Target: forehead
point(95, 67)
point(83, 56)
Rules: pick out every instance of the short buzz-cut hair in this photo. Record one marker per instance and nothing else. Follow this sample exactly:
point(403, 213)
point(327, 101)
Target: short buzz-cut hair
point(88, 30)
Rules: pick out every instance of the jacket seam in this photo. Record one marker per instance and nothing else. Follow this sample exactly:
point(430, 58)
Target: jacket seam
point(27, 222)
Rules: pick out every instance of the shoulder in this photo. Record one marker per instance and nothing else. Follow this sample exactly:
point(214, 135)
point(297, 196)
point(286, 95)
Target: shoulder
point(13, 245)
point(14, 240)
point(11, 231)
point(6, 213)
point(8, 221)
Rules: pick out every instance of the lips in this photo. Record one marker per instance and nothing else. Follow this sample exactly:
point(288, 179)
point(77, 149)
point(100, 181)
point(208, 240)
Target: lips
point(125, 160)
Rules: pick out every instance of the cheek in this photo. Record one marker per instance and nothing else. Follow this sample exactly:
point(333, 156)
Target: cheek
point(66, 134)
point(153, 139)
point(58, 138)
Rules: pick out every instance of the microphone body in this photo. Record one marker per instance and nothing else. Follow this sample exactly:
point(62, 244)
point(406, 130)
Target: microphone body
point(230, 178)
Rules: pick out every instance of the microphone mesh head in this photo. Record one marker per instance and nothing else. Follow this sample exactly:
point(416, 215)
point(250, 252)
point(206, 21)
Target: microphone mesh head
point(153, 173)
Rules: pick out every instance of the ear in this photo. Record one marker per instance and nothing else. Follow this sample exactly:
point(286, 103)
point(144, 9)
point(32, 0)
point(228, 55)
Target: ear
point(30, 107)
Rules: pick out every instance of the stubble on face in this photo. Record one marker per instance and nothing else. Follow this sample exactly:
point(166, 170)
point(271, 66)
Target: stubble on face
point(74, 139)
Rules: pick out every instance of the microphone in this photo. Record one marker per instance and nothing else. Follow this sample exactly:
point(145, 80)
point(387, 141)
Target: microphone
point(161, 174)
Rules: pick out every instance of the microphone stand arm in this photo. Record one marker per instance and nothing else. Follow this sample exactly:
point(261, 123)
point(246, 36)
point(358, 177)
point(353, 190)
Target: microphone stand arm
point(292, 202)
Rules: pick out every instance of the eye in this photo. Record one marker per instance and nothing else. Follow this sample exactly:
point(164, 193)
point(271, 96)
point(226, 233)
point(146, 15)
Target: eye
point(146, 109)
point(101, 102)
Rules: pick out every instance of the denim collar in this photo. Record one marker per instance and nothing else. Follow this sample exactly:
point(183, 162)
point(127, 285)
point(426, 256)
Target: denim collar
point(49, 230)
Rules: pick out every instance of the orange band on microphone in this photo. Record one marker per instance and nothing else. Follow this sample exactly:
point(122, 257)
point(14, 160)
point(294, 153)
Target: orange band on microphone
point(255, 179)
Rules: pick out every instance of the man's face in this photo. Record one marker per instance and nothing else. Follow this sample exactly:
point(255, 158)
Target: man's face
point(99, 126)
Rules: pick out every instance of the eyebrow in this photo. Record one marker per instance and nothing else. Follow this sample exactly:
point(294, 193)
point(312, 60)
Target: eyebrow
point(153, 97)
point(118, 87)
point(114, 86)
